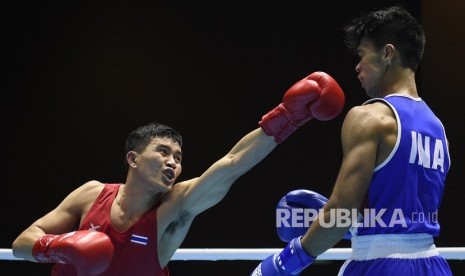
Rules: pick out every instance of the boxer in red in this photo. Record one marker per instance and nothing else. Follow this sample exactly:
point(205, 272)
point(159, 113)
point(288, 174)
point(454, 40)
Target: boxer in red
point(134, 228)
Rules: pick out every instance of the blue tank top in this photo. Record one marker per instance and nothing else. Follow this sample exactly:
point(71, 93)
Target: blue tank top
point(406, 189)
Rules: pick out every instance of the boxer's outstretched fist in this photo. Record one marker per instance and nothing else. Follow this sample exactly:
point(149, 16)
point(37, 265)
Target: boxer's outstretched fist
point(89, 251)
point(316, 96)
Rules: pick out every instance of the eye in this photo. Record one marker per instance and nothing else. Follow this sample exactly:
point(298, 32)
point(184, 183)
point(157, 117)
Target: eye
point(177, 158)
point(163, 151)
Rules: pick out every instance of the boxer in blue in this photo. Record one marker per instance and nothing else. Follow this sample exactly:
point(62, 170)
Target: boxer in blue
point(394, 167)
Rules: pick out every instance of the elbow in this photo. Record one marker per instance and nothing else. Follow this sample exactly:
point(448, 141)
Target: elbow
point(22, 248)
point(237, 164)
point(15, 246)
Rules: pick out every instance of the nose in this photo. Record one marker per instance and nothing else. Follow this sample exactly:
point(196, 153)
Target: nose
point(357, 68)
point(171, 162)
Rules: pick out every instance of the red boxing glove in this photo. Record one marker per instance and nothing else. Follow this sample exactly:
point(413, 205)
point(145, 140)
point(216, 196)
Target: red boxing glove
point(316, 96)
point(89, 251)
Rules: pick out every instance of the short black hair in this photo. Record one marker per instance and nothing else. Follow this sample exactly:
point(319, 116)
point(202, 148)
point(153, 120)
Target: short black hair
point(139, 138)
point(393, 25)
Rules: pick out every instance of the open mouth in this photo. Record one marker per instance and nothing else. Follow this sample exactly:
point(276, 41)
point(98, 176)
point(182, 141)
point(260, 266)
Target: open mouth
point(169, 174)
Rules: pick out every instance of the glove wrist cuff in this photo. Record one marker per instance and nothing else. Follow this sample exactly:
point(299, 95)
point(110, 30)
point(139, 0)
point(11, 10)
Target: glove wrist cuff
point(293, 258)
point(275, 123)
point(41, 246)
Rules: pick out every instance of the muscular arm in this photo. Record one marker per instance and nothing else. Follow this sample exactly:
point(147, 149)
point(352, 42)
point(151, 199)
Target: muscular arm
point(64, 218)
point(316, 96)
point(191, 197)
point(368, 135)
point(211, 187)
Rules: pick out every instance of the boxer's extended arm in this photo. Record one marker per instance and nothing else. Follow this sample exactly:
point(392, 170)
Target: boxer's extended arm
point(211, 187)
point(62, 219)
point(316, 96)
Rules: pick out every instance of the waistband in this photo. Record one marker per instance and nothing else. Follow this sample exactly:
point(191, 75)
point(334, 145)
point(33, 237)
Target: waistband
point(400, 246)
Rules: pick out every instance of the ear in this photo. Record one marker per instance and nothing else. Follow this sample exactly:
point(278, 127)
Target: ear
point(131, 158)
point(388, 53)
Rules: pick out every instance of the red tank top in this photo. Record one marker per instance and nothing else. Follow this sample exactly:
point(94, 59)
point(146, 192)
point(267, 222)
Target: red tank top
point(135, 249)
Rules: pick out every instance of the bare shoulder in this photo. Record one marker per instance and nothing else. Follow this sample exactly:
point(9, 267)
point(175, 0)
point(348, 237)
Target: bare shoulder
point(172, 207)
point(82, 197)
point(372, 126)
point(375, 116)
point(90, 189)
point(374, 110)
point(175, 197)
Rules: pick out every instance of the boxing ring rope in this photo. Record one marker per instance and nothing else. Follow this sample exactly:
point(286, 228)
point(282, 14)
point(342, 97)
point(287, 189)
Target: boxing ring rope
point(257, 254)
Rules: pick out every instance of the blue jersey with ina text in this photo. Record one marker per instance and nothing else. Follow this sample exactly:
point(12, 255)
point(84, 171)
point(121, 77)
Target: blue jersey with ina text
point(406, 189)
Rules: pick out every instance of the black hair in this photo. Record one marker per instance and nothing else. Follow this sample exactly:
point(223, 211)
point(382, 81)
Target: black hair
point(393, 25)
point(139, 138)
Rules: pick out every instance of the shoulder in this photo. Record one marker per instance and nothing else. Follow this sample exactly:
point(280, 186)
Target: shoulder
point(91, 187)
point(374, 114)
point(369, 121)
point(174, 198)
point(373, 108)
point(173, 206)
point(86, 194)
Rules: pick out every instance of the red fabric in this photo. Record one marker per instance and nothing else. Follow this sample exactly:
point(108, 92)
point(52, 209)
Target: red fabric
point(130, 258)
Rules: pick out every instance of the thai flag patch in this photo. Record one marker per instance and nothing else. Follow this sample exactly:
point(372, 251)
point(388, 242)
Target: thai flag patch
point(139, 239)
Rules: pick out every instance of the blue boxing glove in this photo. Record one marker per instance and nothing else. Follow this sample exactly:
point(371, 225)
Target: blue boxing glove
point(296, 211)
point(291, 261)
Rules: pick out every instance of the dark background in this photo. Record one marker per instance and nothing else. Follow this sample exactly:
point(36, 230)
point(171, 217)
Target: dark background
point(79, 76)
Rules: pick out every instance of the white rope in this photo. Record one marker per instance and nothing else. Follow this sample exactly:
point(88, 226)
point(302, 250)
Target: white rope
point(256, 254)
point(217, 254)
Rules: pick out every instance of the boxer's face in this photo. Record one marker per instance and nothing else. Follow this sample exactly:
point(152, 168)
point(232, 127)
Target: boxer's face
point(371, 68)
point(160, 162)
